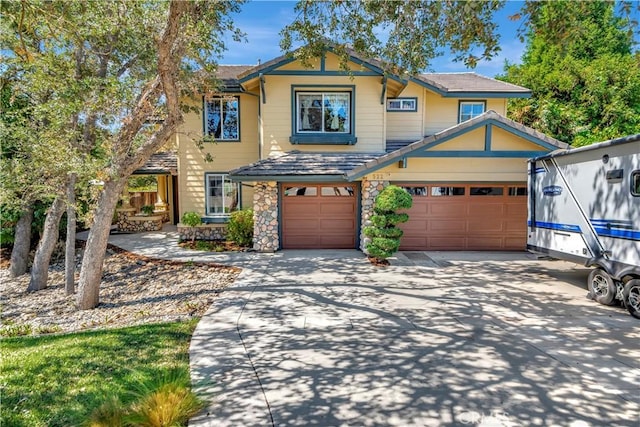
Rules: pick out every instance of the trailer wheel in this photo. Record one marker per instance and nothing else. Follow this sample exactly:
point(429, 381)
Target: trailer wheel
point(601, 287)
point(632, 297)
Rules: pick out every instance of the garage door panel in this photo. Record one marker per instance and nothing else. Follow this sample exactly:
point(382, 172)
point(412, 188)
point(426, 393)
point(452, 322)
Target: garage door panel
point(485, 209)
point(446, 226)
point(516, 210)
point(339, 241)
point(337, 225)
point(514, 244)
point(298, 225)
point(446, 243)
point(484, 243)
point(342, 209)
point(301, 210)
point(467, 222)
point(443, 209)
point(484, 226)
point(515, 226)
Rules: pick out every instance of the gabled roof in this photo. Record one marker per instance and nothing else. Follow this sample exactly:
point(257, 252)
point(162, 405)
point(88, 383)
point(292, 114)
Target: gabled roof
point(264, 68)
point(159, 164)
point(228, 74)
point(490, 117)
point(469, 84)
point(303, 166)
point(445, 84)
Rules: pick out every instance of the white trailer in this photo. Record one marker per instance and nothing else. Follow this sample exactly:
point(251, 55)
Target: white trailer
point(584, 206)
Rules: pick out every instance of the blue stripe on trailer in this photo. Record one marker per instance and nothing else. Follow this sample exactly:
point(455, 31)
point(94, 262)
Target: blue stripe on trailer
point(619, 233)
point(556, 226)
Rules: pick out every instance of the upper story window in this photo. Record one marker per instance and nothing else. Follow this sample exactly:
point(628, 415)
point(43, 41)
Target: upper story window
point(470, 109)
point(323, 117)
point(327, 112)
point(222, 118)
point(222, 195)
point(402, 104)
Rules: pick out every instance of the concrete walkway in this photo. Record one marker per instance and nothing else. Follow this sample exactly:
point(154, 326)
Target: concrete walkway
point(323, 338)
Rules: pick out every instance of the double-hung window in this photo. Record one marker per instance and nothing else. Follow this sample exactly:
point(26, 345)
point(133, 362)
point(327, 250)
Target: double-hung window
point(222, 119)
point(470, 109)
point(323, 117)
point(222, 195)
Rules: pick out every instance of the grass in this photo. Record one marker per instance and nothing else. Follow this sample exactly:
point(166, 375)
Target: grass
point(60, 380)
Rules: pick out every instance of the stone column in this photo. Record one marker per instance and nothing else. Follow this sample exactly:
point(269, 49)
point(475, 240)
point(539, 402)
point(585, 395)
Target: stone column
point(265, 217)
point(370, 190)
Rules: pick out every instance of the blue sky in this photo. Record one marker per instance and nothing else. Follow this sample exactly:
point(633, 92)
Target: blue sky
point(263, 20)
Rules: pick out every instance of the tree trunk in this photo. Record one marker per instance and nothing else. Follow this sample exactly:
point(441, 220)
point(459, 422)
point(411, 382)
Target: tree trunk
point(125, 162)
point(70, 248)
point(91, 270)
point(40, 268)
point(21, 244)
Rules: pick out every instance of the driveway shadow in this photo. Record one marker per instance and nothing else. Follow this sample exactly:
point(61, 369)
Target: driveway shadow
point(323, 342)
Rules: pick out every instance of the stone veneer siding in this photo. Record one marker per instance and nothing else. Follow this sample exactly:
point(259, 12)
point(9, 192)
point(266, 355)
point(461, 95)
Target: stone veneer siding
point(126, 221)
point(203, 232)
point(265, 217)
point(370, 190)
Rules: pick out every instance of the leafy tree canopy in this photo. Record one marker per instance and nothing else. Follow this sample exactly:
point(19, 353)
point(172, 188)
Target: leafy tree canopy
point(405, 35)
point(580, 65)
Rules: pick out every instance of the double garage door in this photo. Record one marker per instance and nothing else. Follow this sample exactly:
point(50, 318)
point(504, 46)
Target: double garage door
point(443, 217)
point(466, 217)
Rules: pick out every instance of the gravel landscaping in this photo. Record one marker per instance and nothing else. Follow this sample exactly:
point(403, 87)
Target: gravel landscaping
point(135, 290)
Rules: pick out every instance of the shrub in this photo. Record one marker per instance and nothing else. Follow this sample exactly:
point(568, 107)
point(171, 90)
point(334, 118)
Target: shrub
point(191, 219)
point(111, 413)
point(11, 329)
point(147, 210)
point(240, 227)
point(164, 401)
point(384, 235)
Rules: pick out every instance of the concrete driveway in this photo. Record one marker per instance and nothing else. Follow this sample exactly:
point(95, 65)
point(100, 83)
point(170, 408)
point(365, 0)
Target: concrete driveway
point(323, 338)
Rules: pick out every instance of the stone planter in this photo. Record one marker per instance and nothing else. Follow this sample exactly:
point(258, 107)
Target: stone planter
point(203, 232)
point(128, 222)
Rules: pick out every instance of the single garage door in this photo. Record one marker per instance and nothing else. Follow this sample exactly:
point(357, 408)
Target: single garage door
point(319, 216)
point(466, 217)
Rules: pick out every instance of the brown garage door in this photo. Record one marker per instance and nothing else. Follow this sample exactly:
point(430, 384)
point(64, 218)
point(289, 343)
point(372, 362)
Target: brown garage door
point(321, 216)
point(466, 217)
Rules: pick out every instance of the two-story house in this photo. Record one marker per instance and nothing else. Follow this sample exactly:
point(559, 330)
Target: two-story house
point(310, 148)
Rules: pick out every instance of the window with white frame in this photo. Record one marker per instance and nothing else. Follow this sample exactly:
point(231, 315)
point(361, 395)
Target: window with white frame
point(323, 112)
point(222, 119)
point(222, 195)
point(470, 109)
point(402, 104)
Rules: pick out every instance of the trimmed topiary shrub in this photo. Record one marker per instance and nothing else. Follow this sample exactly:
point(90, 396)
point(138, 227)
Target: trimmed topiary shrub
point(240, 227)
point(384, 235)
point(191, 219)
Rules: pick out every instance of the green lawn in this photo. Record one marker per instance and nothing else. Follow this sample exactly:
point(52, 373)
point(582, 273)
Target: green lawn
point(59, 380)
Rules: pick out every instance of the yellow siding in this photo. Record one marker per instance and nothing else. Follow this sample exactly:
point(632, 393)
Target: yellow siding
point(226, 155)
point(442, 113)
point(277, 115)
point(403, 125)
point(503, 140)
point(473, 140)
point(331, 63)
point(455, 170)
point(296, 65)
